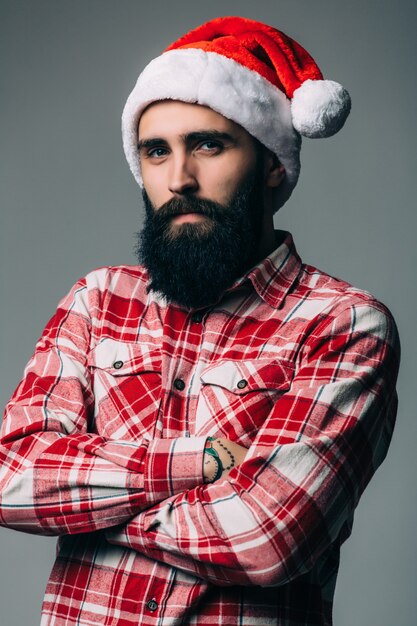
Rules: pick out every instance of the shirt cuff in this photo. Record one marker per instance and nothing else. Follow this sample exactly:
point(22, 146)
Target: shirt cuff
point(173, 466)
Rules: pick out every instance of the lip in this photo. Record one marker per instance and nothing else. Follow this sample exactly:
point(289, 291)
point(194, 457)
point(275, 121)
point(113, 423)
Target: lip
point(188, 218)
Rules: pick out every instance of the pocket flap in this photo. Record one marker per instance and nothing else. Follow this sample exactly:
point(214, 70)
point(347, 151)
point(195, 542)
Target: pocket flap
point(121, 358)
point(249, 375)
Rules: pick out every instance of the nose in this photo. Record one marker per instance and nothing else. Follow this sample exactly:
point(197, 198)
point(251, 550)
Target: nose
point(183, 178)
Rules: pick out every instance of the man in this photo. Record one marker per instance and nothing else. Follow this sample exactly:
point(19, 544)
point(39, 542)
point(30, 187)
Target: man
point(199, 428)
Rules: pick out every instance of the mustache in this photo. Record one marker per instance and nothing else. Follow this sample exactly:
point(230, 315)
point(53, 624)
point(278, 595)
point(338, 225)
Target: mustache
point(190, 204)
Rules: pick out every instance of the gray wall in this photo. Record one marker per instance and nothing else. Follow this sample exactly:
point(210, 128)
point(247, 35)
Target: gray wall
point(69, 203)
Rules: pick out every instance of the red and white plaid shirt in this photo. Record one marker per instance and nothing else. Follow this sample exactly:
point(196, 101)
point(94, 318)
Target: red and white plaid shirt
point(103, 441)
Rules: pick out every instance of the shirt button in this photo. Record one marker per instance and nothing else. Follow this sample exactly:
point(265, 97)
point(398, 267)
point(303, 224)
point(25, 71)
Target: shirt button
point(152, 605)
point(197, 318)
point(179, 384)
point(117, 365)
point(242, 384)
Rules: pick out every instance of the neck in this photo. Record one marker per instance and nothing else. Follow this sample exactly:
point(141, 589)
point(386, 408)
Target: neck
point(268, 241)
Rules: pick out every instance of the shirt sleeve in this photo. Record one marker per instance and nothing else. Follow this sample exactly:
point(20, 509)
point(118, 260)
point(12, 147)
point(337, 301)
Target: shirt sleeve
point(57, 477)
point(294, 494)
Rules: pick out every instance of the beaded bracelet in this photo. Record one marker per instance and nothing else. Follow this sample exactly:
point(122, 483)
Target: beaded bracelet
point(232, 458)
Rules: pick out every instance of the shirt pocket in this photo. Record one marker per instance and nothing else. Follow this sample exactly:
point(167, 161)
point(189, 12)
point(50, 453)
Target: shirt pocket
point(237, 396)
point(126, 379)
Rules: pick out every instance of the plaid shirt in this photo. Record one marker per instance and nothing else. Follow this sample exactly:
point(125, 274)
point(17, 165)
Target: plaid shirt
point(103, 442)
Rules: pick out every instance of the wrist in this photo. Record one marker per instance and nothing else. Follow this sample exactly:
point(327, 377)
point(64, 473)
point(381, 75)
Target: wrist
point(224, 449)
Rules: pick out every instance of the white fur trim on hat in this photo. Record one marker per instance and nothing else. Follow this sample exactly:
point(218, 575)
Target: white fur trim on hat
point(234, 91)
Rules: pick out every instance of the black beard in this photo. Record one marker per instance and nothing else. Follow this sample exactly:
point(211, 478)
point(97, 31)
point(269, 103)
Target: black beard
point(192, 264)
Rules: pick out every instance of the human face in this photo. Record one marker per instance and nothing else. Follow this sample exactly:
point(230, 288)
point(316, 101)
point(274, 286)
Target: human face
point(204, 190)
point(188, 149)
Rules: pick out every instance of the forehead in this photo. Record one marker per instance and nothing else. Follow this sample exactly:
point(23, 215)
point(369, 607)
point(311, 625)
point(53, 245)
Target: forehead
point(171, 117)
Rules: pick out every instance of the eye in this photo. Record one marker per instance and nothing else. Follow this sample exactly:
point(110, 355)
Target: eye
point(156, 153)
point(210, 146)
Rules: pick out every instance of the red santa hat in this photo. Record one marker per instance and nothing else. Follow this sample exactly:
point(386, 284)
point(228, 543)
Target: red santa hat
point(252, 74)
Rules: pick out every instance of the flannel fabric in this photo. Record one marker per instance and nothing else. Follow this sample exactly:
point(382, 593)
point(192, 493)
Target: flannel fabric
point(102, 444)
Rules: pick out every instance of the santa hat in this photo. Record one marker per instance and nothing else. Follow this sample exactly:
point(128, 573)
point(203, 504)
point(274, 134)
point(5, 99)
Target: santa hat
point(254, 75)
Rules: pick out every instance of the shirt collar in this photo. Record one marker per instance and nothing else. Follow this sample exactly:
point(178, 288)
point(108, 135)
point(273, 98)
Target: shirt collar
point(273, 276)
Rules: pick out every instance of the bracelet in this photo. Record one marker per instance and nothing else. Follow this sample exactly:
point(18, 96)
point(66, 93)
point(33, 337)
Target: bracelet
point(213, 453)
point(232, 458)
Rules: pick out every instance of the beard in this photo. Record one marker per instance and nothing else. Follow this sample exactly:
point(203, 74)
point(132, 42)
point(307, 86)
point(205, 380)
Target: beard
point(192, 264)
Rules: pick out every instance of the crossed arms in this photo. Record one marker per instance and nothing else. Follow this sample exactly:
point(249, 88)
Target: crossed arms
point(265, 523)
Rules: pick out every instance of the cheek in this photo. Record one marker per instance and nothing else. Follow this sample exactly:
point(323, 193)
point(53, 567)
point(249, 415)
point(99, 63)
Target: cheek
point(219, 190)
point(221, 180)
point(155, 187)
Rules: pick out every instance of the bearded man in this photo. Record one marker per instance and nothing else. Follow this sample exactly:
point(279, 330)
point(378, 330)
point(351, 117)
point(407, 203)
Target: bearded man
point(198, 429)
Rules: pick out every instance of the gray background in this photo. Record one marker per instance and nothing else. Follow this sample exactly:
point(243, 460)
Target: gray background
point(69, 204)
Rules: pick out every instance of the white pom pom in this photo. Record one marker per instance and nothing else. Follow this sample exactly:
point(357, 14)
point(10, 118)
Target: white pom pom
point(319, 108)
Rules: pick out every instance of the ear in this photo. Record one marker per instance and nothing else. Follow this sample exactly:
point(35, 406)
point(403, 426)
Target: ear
point(274, 170)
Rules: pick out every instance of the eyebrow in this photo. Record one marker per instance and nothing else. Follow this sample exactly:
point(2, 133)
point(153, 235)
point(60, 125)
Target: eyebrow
point(188, 138)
